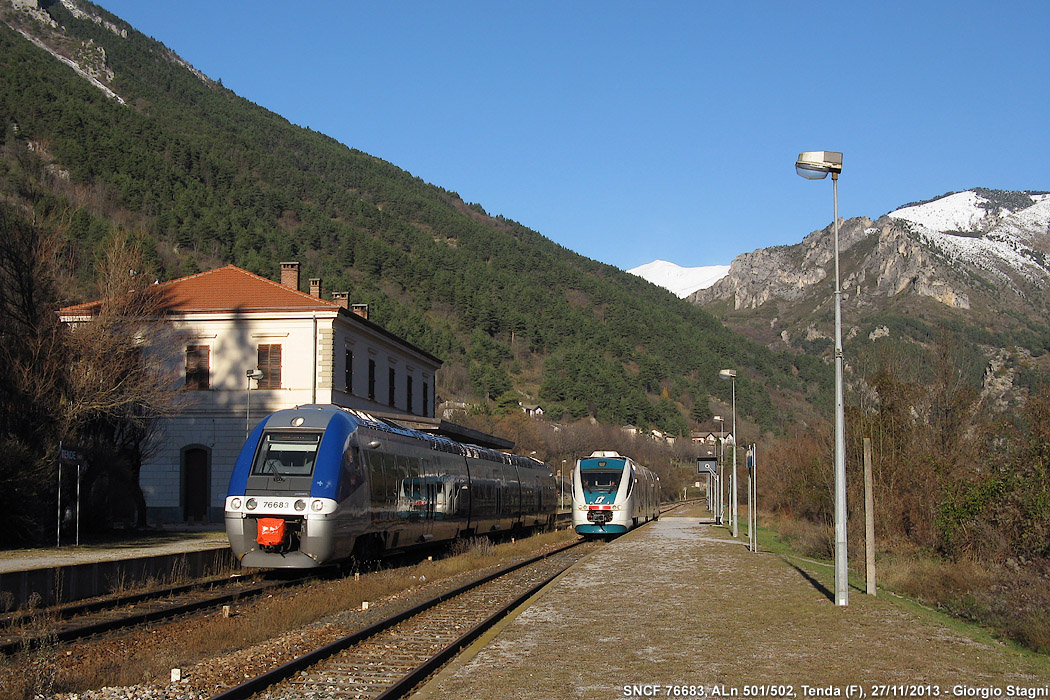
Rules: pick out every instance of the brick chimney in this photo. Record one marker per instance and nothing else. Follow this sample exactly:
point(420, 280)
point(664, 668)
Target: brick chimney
point(290, 275)
point(361, 310)
point(342, 298)
point(315, 287)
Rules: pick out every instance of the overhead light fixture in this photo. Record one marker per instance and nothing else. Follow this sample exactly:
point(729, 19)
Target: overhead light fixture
point(815, 165)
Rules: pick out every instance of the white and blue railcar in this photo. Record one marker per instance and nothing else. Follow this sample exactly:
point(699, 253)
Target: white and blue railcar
point(612, 493)
point(322, 484)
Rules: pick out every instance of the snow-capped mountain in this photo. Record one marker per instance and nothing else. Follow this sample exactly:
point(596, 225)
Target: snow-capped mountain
point(976, 263)
point(682, 281)
point(1002, 233)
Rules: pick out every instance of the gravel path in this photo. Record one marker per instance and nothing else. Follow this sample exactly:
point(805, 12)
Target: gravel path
point(680, 610)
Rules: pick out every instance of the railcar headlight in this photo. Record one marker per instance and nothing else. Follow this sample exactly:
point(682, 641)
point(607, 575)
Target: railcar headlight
point(300, 504)
point(250, 505)
point(235, 504)
point(317, 506)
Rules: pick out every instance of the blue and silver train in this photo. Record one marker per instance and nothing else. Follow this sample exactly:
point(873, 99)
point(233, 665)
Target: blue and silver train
point(317, 484)
point(611, 494)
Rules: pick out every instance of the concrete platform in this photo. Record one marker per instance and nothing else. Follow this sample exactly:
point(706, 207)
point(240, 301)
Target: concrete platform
point(69, 573)
point(679, 609)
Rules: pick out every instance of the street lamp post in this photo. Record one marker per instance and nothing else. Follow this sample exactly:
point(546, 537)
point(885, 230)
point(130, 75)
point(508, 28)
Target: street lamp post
point(815, 165)
point(255, 374)
point(731, 375)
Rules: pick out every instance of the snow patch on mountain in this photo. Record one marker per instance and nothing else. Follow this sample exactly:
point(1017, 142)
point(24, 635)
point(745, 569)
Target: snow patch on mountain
point(956, 212)
point(968, 228)
point(681, 281)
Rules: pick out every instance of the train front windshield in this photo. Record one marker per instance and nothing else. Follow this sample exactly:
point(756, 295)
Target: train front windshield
point(287, 454)
point(600, 481)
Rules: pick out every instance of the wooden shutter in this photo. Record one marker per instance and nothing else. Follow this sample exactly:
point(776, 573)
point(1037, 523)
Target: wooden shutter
point(198, 367)
point(270, 364)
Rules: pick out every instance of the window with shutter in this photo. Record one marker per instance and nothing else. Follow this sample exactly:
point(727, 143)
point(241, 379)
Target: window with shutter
point(348, 372)
point(198, 367)
point(270, 364)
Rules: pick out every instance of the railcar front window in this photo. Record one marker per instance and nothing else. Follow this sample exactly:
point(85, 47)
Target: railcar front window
point(287, 454)
point(601, 481)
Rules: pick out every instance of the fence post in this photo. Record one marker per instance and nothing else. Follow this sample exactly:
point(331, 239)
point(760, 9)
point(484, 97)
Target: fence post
point(869, 519)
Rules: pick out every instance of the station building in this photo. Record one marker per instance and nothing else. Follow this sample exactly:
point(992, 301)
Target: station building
point(250, 346)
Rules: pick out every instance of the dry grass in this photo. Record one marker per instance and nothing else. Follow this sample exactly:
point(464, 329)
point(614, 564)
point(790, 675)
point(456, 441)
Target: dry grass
point(1012, 600)
point(1009, 600)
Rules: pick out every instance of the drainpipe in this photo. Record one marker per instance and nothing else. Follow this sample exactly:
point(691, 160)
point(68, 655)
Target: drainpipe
point(314, 393)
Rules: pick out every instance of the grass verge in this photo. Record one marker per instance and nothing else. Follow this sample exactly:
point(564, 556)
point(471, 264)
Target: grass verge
point(984, 601)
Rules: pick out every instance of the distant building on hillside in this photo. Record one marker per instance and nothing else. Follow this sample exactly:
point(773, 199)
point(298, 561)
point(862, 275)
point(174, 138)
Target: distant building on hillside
point(532, 410)
point(308, 350)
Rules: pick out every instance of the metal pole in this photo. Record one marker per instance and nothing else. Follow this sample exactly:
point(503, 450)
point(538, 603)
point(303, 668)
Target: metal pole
point(841, 560)
point(747, 468)
point(78, 504)
point(721, 485)
point(753, 498)
point(735, 509)
point(749, 508)
point(721, 461)
point(869, 519)
point(58, 530)
point(248, 411)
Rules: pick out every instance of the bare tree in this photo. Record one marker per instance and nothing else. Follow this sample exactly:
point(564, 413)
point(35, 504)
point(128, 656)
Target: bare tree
point(120, 378)
point(31, 381)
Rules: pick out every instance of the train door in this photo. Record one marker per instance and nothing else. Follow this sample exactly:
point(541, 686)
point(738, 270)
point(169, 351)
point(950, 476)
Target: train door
point(429, 483)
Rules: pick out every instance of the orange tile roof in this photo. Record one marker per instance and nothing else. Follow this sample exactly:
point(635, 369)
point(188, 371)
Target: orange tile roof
point(227, 288)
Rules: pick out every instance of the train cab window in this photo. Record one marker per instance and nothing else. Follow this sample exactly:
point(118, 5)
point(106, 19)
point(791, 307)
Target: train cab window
point(597, 481)
point(287, 454)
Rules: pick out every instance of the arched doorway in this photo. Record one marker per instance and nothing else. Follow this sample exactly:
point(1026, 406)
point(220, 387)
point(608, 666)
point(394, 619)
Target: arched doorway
point(196, 483)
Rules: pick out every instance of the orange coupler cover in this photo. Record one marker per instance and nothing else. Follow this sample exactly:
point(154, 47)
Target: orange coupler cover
point(271, 531)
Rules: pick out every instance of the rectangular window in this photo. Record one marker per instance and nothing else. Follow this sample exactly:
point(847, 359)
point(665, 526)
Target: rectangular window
point(198, 367)
point(391, 399)
point(408, 395)
point(348, 372)
point(372, 380)
point(426, 399)
point(270, 364)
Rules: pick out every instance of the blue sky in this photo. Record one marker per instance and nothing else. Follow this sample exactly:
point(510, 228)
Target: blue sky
point(632, 131)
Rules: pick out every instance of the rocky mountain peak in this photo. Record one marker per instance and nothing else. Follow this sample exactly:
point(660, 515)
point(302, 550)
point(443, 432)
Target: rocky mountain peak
point(974, 262)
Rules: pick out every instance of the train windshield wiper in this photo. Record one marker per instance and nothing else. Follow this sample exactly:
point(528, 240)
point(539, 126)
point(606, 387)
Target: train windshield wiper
point(272, 466)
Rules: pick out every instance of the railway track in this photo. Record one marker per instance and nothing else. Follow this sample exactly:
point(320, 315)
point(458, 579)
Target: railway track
point(388, 659)
point(68, 623)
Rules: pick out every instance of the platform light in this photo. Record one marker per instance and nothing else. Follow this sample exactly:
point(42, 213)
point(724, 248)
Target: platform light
point(815, 165)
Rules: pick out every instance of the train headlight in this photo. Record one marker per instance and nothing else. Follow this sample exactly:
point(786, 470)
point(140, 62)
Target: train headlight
point(250, 505)
point(300, 504)
point(235, 504)
point(317, 506)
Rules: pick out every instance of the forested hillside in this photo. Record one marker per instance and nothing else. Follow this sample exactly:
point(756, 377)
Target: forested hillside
point(201, 178)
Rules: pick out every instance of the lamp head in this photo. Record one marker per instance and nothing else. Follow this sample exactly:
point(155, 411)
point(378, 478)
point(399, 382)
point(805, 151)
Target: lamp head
point(255, 374)
point(815, 165)
point(727, 374)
